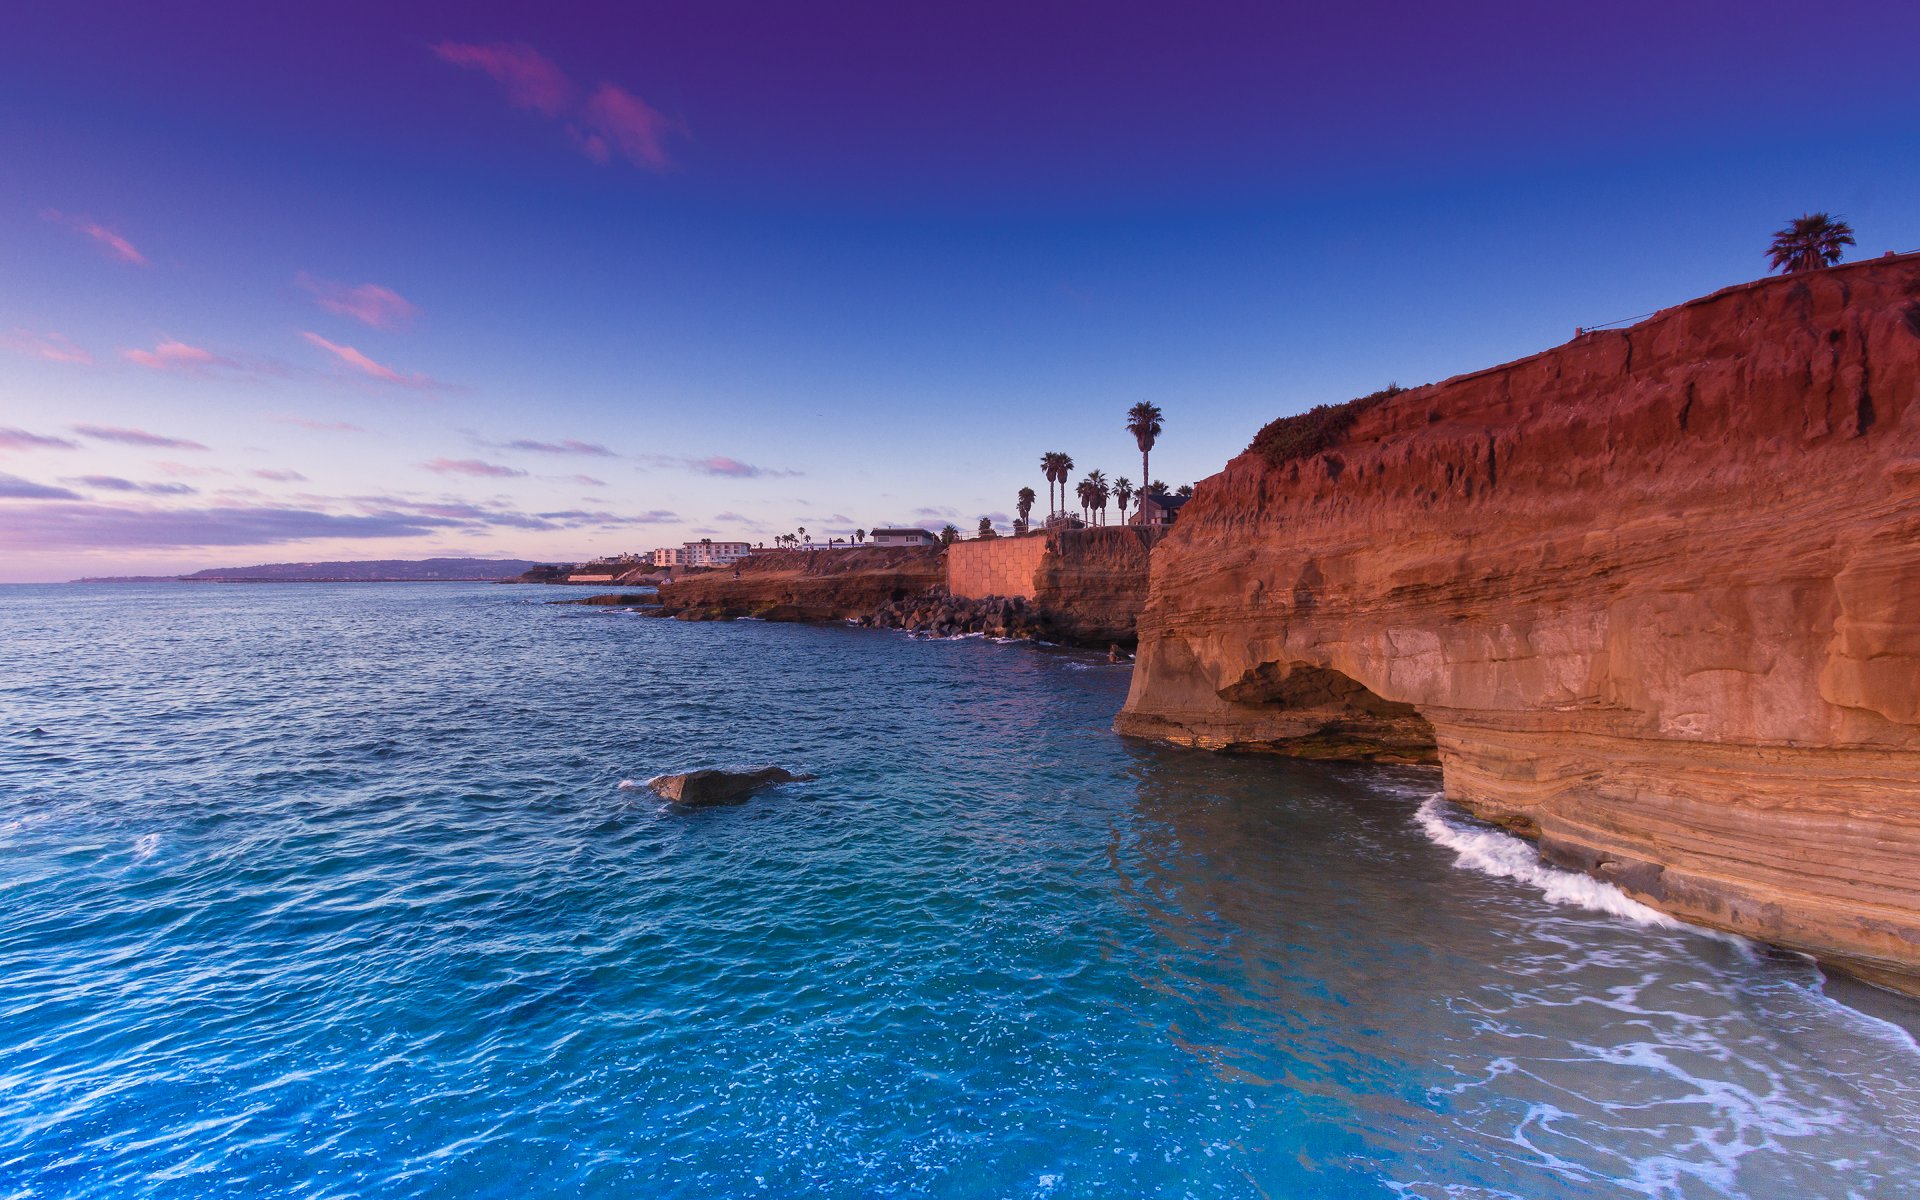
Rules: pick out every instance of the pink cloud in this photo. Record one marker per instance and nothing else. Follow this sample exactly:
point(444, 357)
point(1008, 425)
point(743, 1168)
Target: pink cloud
point(135, 437)
point(20, 439)
point(615, 120)
point(611, 121)
point(321, 426)
point(369, 303)
point(366, 366)
point(471, 466)
point(531, 79)
point(564, 446)
point(717, 464)
point(280, 476)
point(51, 346)
point(171, 355)
point(109, 241)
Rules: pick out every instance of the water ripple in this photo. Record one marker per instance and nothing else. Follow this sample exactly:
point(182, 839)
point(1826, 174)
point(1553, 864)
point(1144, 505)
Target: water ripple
point(334, 891)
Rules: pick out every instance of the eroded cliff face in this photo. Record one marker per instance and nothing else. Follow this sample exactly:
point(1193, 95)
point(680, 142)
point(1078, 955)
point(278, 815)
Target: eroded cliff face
point(1092, 583)
point(800, 585)
point(1652, 597)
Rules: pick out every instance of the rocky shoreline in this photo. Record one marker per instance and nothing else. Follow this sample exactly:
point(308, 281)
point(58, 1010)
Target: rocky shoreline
point(1651, 597)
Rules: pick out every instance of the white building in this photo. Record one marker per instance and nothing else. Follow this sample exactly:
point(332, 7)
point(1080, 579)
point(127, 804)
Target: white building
point(909, 536)
point(704, 553)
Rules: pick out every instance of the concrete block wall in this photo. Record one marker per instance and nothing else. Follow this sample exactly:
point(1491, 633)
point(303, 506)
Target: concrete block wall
point(1002, 566)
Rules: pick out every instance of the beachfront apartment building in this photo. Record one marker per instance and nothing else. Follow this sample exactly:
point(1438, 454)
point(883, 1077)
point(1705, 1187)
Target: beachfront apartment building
point(704, 553)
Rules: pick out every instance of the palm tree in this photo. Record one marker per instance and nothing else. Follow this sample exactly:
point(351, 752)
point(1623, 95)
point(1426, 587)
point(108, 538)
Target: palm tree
point(949, 535)
point(1055, 465)
point(986, 528)
point(1143, 422)
point(1024, 504)
point(1060, 469)
point(1123, 492)
point(859, 535)
point(1185, 489)
point(1098, 491)
point(1810, 243)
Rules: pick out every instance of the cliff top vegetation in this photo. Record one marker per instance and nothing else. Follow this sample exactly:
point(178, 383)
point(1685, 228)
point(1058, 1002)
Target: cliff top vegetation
point(1321, 428)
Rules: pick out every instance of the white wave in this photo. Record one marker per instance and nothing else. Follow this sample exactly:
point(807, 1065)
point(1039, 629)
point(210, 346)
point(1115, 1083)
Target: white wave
point(144, 846)
point(1492, 852)
point(633, 785)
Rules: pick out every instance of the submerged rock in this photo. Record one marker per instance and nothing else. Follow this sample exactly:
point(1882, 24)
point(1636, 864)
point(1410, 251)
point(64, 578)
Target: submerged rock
point(698, 788)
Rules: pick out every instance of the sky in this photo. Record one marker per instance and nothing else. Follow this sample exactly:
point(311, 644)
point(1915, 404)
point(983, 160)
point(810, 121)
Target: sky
point(394, 280)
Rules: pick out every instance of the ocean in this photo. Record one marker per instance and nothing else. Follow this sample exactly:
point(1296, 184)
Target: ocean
point(335, 890)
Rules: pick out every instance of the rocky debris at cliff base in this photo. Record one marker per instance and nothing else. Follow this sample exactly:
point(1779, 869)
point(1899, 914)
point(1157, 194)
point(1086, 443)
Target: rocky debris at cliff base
point(696, 789)
point(942, 615)
point(612, 599)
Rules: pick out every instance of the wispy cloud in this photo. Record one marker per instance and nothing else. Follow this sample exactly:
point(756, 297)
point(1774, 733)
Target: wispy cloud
point(615, 121)
point(51, 346)
point(582, 480)
point(359, 362)
point(20, 439)
point(368, 303)
point(171, 355)
point(97, 526)
point(564, 446)
point(135, 437)
point(113, 483)
point(530, 78)
point(611, 122)
point(321, 426)
point(110, 242)
point(946, 513)
point(717, 464)
point(12, 487)
point(279, 476)
point(472, 466)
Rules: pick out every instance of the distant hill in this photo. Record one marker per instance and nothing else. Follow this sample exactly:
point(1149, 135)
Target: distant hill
point(383, 570)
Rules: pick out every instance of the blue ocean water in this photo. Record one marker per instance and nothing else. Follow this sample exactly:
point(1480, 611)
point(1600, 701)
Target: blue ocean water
point(333, 891)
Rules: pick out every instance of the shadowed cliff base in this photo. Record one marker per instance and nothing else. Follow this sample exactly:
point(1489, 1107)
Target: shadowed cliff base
point(1079, 587)
point(1654, 591)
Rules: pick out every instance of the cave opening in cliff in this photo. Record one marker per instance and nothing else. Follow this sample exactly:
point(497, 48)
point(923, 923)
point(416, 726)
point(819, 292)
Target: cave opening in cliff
point(1318, 712)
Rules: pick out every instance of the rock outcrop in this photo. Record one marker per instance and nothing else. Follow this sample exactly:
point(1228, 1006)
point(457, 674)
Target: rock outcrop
point(697, 789)
point(801, 585)
point(1652, 597)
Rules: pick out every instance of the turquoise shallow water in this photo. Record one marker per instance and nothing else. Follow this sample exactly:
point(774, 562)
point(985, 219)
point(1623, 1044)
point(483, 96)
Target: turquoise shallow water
point(333, 891)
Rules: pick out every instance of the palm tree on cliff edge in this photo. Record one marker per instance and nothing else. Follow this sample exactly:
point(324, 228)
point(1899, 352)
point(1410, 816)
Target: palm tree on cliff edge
point(1123, 492)
point(1051, 466)
point(1143, 422)
point(1024, 504)
point(1810, 243)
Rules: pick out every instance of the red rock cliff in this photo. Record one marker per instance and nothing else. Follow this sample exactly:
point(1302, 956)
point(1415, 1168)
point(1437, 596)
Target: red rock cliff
point(1652, 596)
point(801, 585)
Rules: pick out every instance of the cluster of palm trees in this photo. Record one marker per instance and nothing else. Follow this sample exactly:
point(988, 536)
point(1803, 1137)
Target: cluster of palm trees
point(1094, 490)
point(800, 537)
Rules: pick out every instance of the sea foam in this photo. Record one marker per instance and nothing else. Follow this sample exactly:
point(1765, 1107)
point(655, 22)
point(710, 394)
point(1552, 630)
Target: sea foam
point(1493, 852)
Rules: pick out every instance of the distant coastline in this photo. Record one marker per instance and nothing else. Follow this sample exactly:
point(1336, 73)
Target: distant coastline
point(389, 570)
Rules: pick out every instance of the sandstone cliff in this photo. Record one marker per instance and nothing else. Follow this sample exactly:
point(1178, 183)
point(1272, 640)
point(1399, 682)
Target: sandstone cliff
point(800, 585)
point(1092, 583)
point(1652, 596)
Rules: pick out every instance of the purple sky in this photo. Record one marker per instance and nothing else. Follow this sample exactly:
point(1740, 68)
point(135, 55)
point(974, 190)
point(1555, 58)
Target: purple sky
point(395, 280)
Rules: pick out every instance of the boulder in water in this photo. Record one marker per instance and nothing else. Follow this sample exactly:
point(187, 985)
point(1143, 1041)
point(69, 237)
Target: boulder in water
point(699, 788)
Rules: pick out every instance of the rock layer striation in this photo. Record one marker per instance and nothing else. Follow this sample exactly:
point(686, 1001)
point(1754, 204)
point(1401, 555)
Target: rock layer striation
point(1652, 597)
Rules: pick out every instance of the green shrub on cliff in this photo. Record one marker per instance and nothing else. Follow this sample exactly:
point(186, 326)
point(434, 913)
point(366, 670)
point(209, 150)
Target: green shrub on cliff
point(1307, 434)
